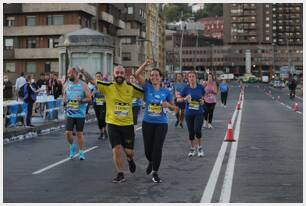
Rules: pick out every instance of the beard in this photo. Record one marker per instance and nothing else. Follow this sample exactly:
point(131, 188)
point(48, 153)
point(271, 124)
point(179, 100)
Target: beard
point(71, 79)
point(119, 80)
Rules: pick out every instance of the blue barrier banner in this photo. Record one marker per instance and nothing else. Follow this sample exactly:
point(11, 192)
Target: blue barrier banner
point(50, 110)
point(12, 114)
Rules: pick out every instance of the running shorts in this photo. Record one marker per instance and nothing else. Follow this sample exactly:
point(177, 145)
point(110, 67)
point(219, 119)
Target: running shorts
point(121, 135)
point(78, 122)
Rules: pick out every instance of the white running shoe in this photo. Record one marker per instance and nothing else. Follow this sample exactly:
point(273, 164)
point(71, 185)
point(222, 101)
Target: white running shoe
point(205, 124)
point(192, 152)
point(200, 152)
point(210, 126)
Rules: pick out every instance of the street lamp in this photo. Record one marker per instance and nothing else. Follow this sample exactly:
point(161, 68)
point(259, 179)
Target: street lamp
point(147, 40)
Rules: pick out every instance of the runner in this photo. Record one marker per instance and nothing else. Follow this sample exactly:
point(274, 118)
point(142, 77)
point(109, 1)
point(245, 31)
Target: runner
point(193, 94)
point(155, 121)
point(210, 101)
point(76, 95)
point(224, 92)
point(99, 107)
point(136, 104)
point(178, 87)
point(119, 118)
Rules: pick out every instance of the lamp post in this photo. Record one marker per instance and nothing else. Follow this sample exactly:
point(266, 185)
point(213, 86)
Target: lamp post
point(273, 57)
point(147, 40)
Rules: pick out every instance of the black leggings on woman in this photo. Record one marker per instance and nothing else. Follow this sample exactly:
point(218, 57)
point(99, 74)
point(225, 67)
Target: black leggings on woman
point(194, 124)
point(153, 137)
point(100, 111)
point(223, 97)
point(209, 111)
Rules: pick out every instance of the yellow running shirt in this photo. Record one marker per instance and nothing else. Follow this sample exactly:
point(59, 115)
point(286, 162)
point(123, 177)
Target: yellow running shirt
point(119, 101)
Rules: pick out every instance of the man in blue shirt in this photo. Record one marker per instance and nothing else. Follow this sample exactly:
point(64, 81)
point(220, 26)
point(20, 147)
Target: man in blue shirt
point(224, 92)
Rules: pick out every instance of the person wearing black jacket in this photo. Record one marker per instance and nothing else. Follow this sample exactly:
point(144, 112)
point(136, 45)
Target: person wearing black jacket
point(292, 87)
point(41, 81)
point(30, 99)
point(57, 87)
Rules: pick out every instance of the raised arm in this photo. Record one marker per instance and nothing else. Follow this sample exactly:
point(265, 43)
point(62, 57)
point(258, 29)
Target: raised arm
point(138, 74)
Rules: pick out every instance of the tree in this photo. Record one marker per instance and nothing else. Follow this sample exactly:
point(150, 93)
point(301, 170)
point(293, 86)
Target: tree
point(172, 12)
point(210, 10)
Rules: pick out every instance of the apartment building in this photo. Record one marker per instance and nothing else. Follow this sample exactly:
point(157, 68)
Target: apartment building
point(213, 27)
point(133, 36)
point(31, 32)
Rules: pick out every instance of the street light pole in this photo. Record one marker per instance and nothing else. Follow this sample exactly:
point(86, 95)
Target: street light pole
point(273, 57)
point(181, 45)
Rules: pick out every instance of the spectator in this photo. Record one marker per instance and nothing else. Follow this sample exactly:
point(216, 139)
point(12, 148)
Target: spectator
point(41, 80)
point(19, 83)
point(7, 88)
point(47, 78)
point(57, 87)
point(30, 98)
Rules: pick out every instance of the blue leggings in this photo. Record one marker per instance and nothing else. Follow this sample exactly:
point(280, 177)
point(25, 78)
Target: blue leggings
point(194, 123)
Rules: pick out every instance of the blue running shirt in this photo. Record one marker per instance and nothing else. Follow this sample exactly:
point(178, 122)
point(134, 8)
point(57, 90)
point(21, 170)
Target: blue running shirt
point(194, 107)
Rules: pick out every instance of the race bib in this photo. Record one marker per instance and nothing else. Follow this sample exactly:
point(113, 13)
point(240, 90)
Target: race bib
point(100, 101)
point(194, 105)
point(121, 109)
point(134, 101)
point(73, 105)
point(154, 109)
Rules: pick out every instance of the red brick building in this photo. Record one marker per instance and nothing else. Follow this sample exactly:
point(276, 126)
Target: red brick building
point(213, 27)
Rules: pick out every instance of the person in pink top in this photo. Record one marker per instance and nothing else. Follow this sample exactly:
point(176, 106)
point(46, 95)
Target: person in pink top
point(209, 100)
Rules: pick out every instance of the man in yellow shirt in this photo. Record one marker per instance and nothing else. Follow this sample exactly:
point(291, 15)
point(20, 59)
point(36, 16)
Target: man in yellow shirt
point(119, 117)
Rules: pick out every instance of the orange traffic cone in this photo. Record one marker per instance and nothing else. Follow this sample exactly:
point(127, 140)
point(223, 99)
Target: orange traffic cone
point(296, 107)
point(229, 133)
point(238, 106)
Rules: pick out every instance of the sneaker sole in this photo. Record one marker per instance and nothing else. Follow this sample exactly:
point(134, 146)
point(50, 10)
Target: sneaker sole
point(123, 180)
point(156, 181)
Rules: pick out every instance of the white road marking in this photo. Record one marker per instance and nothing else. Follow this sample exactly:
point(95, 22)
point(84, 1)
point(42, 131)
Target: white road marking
point(299, 97)
point(211, 184)
point(229, 172)
point(299, 112)
point(288, 106)
point(282, 104)
point(61, 162)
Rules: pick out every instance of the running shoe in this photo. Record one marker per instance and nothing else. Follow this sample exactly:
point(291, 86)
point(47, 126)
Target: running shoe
point(101, 136)
point(72, 150)
point(176, 123)
point(210, 126)
point(155, 178)
point(205, 124)
point(181, 125)
point(119, 178)
point(149, 168)
point(192, 152)
point(200, 152)
point(132, 165)
point(81, 155)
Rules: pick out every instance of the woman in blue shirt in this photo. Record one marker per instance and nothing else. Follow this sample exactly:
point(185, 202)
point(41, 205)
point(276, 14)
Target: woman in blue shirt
point(193, 94)
point(155, 120)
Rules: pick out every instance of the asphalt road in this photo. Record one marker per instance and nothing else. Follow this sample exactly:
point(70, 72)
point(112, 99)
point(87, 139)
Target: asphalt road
point(267, 166)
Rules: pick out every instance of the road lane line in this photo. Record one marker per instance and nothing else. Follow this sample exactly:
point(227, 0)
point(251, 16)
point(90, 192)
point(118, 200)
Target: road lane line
point(60, 162)
point(229, 172)
point(288, 106)
point(211, 184)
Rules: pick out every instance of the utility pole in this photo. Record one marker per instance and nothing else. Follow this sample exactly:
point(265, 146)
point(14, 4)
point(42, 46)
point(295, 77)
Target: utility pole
point(196, 50)
point(273, 57)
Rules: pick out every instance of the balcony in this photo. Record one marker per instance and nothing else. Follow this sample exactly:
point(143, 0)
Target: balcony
point(12, 8)
point(8, 54)
point(37, 53)
point(49, 7)
point(129, 32)
point(39, 30)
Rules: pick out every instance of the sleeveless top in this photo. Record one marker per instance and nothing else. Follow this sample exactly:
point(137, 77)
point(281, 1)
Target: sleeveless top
point(74, 94)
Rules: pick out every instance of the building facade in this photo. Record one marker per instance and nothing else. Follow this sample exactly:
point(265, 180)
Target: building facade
point(31, 33)
point(213, 27)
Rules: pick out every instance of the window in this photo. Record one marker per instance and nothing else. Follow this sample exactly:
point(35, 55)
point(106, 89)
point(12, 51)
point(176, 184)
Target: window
point(31, 68)
point(31, 43)
point(55, 20)
point(130, 10)
point(126, 40)
point(9, 44)
point(31, 21)
point(267, 5)
point(126, 56)
point(267, 25)
point(267, 18)
point(10, 21)
point(10, 67)
point(47, 67)
point(53, 43)
point(267, 38)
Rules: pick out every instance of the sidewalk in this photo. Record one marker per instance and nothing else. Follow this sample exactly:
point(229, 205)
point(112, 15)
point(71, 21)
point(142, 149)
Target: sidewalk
point(41, 127)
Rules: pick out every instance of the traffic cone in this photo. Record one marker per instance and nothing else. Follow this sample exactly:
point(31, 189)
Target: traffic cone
point(238, 106)
point(296, 107)
point(229, 133)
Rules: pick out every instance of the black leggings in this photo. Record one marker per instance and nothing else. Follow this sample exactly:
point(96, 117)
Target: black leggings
point(223, 97)
point(153, 138)
point(194, 124)
point(100, 114)
point(209, 111)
